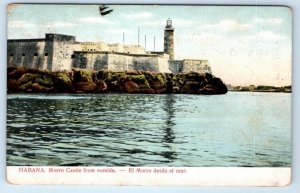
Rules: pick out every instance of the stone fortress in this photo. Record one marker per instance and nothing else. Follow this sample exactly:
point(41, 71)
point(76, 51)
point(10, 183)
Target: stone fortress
point(58, 52)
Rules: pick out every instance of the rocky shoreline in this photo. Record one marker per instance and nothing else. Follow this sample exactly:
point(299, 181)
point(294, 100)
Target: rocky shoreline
point(21, 80)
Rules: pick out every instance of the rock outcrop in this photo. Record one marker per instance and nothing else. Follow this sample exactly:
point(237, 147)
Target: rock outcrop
point(90, 81)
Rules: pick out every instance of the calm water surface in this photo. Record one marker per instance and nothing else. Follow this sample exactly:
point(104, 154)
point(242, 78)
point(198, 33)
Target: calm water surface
point(236, 129)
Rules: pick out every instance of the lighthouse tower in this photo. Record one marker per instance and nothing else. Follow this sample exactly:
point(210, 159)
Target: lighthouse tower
point(169, 39)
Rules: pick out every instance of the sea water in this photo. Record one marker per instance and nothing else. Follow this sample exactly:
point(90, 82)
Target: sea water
point(249, 129)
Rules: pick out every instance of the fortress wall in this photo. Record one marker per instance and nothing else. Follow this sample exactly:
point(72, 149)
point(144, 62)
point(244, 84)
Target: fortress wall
point(62, 55)
point(104, 47)
point(100, 61)
point(148, 63)
point(87, 47)
point(134, 49)
point(79, 60)
point(61, 52)
point(116, 48)
point(90, 60)
point(59, 37)
point(62, 48)
point(93, 46)
point(118, 62)
point(27, 53)
point(163, 63)
point(121, 62)
point(200, 66)
point(176, 66)
point(52, 53)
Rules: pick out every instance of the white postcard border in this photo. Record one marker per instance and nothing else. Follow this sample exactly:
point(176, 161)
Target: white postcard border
point(150, 176)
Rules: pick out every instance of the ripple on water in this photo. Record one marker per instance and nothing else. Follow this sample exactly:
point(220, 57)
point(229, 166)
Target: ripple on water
point(149, 130)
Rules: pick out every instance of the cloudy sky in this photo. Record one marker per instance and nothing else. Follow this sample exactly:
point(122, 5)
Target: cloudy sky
point(244, 44)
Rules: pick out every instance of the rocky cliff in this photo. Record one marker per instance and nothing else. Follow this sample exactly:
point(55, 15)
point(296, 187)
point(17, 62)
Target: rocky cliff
point(88, 81)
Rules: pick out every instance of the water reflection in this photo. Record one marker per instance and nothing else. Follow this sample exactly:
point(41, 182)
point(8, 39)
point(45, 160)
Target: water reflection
point(169, 135)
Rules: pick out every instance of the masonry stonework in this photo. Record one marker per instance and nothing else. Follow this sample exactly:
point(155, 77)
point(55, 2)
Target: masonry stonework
point(169, 39)
point(58, 52)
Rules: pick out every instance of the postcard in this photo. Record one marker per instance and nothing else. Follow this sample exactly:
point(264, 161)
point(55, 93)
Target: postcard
point(149, 94)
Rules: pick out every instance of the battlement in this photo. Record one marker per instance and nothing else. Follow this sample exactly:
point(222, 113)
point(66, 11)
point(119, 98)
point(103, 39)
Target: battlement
point(27, 40)
point(58, 52)
point(118, 53)
point(190, 65)
point(60, 37)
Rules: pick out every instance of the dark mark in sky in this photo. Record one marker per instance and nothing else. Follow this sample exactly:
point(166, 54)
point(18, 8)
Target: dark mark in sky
point(103, 10)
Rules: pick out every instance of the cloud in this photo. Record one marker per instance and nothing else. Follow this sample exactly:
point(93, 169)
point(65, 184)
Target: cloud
point(234, 25)
point(119, 31)
point(151, 23)
point(176, 22)
point(183, 22)
point(272, 21)
point(60, 24)
point(269, 35)
point(227, 25)
point(20, 24)
point(139, 16)
point(265, 36)
point(93, 20)
point(203, 39)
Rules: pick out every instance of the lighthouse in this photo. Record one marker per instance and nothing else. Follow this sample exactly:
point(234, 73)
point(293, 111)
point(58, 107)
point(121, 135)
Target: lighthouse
point(169, 39)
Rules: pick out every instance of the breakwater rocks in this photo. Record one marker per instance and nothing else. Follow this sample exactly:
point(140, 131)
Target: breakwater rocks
point(90, 81)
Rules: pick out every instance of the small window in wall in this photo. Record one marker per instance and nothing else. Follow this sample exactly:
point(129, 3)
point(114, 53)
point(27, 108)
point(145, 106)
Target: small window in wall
point(35, 54)
point(46, 54)
point(11, 55)
point(23, 54)
point(72, 56)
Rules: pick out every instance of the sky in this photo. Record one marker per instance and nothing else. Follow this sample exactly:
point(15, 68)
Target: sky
point(245, 45)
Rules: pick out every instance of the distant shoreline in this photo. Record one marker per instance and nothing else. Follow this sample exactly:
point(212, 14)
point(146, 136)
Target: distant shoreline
point(260, 88)
point(272, 91)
